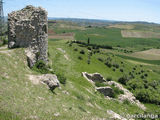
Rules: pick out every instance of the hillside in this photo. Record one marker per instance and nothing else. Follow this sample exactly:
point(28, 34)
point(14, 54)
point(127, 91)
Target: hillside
point(77, 99)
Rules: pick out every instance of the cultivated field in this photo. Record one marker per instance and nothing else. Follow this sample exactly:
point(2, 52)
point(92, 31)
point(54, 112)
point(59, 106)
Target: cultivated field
point(151, 54)
point(139, 34)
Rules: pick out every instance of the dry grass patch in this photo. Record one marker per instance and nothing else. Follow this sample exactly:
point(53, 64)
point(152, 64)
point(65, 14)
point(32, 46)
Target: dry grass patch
point(152, 54)
point(64, 36)
point(139, 34)
point(120, 26)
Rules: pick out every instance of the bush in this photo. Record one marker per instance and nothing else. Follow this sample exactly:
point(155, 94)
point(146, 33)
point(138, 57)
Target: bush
point(123, 80)
point(5, 41)
point(108, 64)
point(142, 95)
point(154, 84)
point(121, 70)
point(134, 68)
point(100, 59)
point(142, 76)
point(61, 78)
point(116, 91)
point(109, 78)
point(41, 67)
point(126, 102)
point(109, 59)
point(135, 84)
point(70, 44)
point(146, 75)
point(48, 54)
point(116, 66)
point(82, 52)
point(100, 84)
point(88, 61)
point(80, 58)
point(142, 71)
point(89, 48)
point(75, 49)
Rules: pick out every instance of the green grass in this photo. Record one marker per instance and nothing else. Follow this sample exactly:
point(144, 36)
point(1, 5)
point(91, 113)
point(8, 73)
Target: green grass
point(20, 98)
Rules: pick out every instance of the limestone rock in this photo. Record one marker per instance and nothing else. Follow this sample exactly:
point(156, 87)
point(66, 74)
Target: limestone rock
point(106, 91)
point(127, 95)
point(96, 77)
point(29, 28)
point(11, 44)
point(51, 80)
point(115, 116)
point(31, 58)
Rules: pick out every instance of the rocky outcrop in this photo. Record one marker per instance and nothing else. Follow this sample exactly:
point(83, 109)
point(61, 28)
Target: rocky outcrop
point(96, 77)
point(127, 95)
point(29, 28)
point(49, 79)
point(106, 91)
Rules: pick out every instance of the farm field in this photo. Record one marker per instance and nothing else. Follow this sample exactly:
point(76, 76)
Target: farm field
point(112, 36)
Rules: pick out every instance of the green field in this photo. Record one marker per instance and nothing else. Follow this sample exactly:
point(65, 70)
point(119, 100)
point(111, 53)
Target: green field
point(111, 36)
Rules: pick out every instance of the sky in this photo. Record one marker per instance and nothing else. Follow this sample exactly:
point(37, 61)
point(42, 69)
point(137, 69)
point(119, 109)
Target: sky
point(120, 10)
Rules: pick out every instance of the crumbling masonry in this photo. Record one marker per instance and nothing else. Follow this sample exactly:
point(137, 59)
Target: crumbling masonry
point(29, 28)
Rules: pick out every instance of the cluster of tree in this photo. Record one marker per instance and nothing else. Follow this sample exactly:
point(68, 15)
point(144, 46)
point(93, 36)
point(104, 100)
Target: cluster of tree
point(94, 46)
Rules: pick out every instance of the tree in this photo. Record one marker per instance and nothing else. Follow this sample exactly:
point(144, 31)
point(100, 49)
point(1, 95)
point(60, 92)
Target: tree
point(88, 41)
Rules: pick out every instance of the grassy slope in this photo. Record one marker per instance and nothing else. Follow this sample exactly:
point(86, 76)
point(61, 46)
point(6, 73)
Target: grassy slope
point(20, 99)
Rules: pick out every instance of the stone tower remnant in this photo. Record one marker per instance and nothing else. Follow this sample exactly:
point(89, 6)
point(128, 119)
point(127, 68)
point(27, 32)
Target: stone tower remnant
point(28, 28)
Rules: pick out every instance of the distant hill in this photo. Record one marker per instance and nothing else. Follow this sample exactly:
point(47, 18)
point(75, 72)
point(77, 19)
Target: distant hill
point(87, 21)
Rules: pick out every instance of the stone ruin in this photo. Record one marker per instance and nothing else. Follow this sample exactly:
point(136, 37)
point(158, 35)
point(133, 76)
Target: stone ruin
point(28, 28)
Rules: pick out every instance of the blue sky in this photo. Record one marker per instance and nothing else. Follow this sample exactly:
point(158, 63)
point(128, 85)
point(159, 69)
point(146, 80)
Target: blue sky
point(124, 10)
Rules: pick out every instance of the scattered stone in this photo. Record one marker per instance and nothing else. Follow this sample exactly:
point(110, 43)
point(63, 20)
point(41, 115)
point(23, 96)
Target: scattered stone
point(32, 118)
point(106, 91)
point(28, 28)
point(56, 114)
point(51, 80)
point(65, 92)
point(115, 116)
point(96, 77)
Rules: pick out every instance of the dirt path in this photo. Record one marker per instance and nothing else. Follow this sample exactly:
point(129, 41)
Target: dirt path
point(3, 47)
point(4, 50)
point(64, 52)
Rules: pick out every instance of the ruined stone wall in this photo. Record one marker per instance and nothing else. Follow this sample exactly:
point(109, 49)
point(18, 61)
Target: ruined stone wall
point(29, 28)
